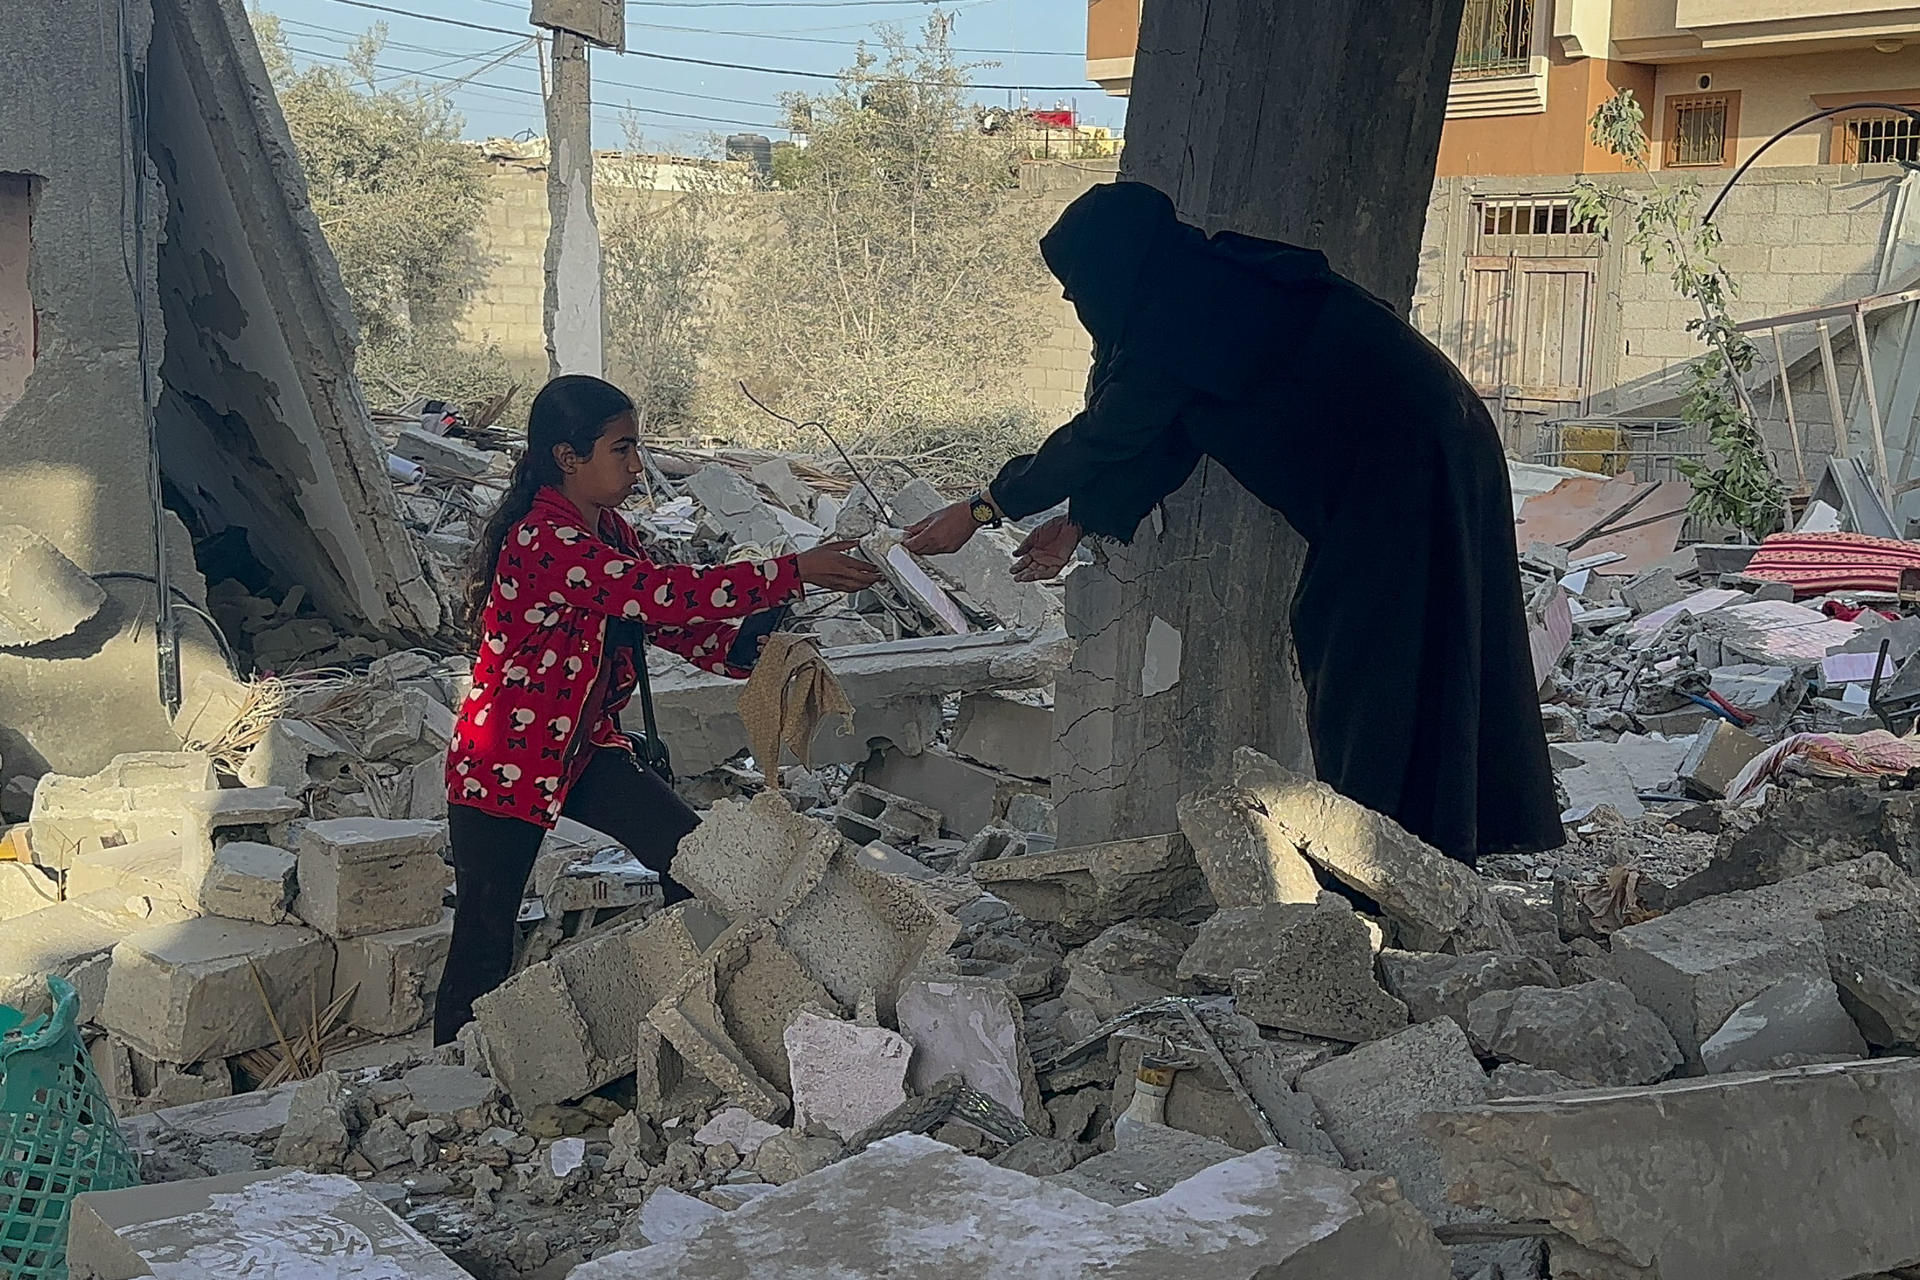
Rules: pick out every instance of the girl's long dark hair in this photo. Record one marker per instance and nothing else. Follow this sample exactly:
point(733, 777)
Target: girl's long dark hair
point(573, 410)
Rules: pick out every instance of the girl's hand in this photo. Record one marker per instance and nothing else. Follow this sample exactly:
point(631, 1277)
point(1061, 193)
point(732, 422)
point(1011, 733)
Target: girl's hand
point(1046, 551)
point(828, 565)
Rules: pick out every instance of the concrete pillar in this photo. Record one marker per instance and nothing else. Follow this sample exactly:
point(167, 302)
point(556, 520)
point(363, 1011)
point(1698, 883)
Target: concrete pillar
point(573, 314)
point(1311, 123)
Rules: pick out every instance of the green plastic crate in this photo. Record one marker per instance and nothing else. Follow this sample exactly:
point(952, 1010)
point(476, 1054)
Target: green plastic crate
point(58, 1136)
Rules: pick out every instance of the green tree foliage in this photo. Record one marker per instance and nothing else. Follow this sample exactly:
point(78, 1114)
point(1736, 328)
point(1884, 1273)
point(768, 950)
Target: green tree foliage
point(399, 197)
point(1662, 225)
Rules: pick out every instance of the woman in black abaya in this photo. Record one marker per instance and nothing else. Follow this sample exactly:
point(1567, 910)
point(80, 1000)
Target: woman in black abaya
point(1328, 407)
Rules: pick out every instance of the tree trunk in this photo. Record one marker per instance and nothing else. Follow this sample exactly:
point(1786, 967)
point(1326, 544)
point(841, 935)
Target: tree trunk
point(1316, 124)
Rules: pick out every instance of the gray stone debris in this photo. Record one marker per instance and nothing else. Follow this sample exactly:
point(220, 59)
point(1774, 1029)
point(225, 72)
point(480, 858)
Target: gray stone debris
point(371, 875)
point(394, 976)
point(1518, 1080)
point(1436, 902)
point(1131, 964)
point(1802, 830)
point(1371, 1101)
point(1596, 1032)
point(1316, 978)
point(249, 881)
point(43, 595)
point(1084, 890)
point(1443, 986)
point(1247, 857)
point(1239, 938)
point(1008, 734)
point(912, 1208)
point(314, 1129)
point(845, 1076)
point(1799, 1015)
point(972, 1028)
point(1706, 1179)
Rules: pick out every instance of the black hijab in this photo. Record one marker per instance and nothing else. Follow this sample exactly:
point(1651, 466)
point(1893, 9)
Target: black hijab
point(1212, 312)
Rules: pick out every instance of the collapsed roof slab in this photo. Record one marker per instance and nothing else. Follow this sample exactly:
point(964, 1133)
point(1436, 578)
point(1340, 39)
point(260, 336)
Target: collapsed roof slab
point(262, 423)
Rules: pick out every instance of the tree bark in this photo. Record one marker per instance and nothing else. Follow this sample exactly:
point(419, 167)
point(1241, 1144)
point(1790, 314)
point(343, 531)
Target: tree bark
point(1313, 123)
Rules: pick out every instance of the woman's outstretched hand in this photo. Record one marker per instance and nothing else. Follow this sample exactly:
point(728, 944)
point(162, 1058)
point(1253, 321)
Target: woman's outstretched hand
point(942, 533)
point(828, 565)
point(1046, 551)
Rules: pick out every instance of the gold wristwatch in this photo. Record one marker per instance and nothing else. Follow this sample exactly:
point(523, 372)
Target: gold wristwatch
point(983, 511)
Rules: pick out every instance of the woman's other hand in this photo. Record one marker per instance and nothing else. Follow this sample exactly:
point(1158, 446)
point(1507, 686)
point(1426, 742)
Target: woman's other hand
point(1046, 551)
point(828, 565)
point(942, 533)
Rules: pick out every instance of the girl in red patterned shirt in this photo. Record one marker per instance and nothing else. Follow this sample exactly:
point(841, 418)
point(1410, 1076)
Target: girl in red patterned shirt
point(560, 580)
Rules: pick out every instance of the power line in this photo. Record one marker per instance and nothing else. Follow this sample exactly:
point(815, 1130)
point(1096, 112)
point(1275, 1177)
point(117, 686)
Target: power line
point(711, 62)
point(847, 44)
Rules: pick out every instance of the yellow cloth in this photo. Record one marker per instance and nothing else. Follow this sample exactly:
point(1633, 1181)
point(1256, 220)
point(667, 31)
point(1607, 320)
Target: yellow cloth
point(791, 691)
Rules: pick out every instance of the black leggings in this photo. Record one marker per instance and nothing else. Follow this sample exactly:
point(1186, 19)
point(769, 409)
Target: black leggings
point(492, 857)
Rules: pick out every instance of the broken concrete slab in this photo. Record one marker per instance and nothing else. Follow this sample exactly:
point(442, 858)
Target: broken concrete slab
point(911, 1208)
point(1316, 979)
point(191, 991)
point(775, 475)
point(315, 1134)
point(1706, 1179)
point(1436, 902)
point(896, 688)
point(144, 869)
point(371, 875)
point(60, 939)
point(25, 887)
point(1159, 1158)
point(1008, 734)
point(762, 987)
point(968, 797)
point(244, 1117)
point(1615, 773)
point(208, 707)
point(280, 1222)
point(1247, 857)
point(1518, 1080)
point(394, 976)
point(1443, 986)
point(1801, 830)
point(1236, 938)
point(294, 756)
point(755, 859)
point(1695, 965)
point(1371, 1101)
point(738, 1128)
point(43, 595)
point(845, 1076)
point(1595, 1032)
point(670, 1215)
point(1133, 963)
point(730, 504)
point(249, 881)
point(690, 1019)
point(863, 933)
point(1799, 1015)
point(1718, 754)
point(972, 1028)
point(1201, 1100)
point(1084, 890)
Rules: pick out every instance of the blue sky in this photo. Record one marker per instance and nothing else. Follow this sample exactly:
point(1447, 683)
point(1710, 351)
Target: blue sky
point(680, 106)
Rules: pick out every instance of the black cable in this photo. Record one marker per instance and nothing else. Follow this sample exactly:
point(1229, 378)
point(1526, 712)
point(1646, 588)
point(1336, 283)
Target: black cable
point(1907, 111)
point(220, 637)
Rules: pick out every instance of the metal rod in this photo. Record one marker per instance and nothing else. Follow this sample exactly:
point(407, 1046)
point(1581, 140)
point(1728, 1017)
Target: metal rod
point(1873, 404)
point(1913, 419)
point(1833, 390)
point(1793, 423)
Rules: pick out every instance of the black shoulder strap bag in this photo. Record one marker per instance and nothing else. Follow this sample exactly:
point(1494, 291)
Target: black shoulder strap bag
point(648, 747)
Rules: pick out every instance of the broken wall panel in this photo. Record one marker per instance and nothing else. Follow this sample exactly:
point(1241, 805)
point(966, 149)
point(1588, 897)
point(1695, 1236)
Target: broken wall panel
point(263, 424)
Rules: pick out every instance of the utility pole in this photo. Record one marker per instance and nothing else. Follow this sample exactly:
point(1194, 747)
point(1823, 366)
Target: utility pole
point(574, 310)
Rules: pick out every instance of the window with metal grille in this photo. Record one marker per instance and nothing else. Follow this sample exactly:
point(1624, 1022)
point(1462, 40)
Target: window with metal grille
point(1546, 226)
point(1697, 130)
point(1879, 139)
point(1496, 38)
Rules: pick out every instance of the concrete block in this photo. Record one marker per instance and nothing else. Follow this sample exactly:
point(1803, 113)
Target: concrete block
point(294, 756)
point(1706, 1179)
point(1084, 890)
point(912, 1208)
point(446, 456)
point(1441, 986)
point(754, 859)
point(1237, 938)
point(208, 708)
point(968, 797)
point(670, 1215)
point(1433, 900)
point(1695, 965)
point(146, 869)
point(1596, 1032)
point(1719, 751)
point(869, 812)
point(283, 1222)
point(863, 933)
point(1803, 830)
point(1247, 857)
point(972, 1028)
point(1316, 979)
point(249, 881)
point(1007, 734)
point(244, 1117)
point(776, 476)
point(138, 796)
point(43, 595)
point(394, 976)
point(1133, 963)
point(845, 1076)
point(1799, 1017)
point(192, 991)
point(762, 987)
point(689, 1017)
point(60, 939)
point(371, 875)
point(1371, 1101)
point(25, 887)
point(729, 503)
point(136, 1083)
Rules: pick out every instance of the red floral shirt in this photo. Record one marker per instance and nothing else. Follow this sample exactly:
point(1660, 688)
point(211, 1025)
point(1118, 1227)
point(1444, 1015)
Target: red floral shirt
point(519, 745)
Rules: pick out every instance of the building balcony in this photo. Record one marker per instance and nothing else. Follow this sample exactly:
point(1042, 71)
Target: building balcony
point(1681, 30)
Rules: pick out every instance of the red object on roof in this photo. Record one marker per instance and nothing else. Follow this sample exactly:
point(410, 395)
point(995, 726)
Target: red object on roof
point(1812, 563)
point(1056, 119)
